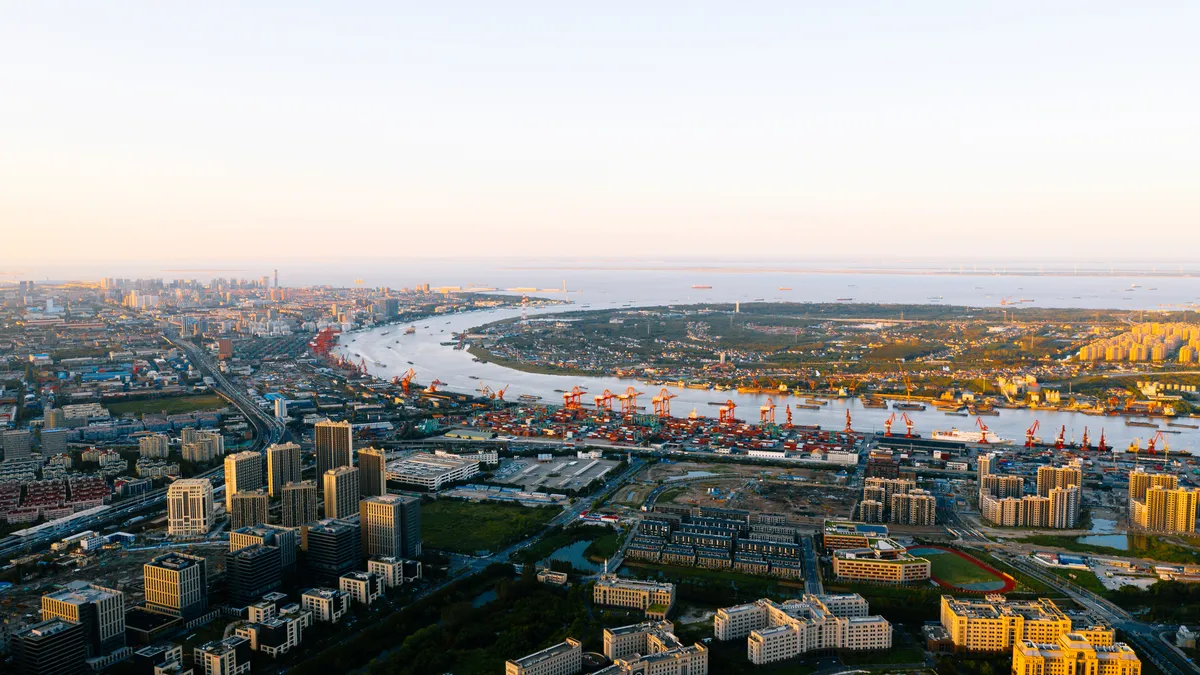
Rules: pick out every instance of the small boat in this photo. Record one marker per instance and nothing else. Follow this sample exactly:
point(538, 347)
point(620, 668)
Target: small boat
point(1171, 431)
point(560, 391)
point(701, 287)
point(385, 332)
point(410, 330)
point(716, 403)
point(845, 299)
point(806, 406)
point(410, 363)
point(785, 288)
point(957, 414)
point(473, 377)
point(529, 397)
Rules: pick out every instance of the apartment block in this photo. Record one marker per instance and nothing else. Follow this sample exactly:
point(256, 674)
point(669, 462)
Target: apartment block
point(1073, 654)
point(995, 624)
point(780, 631)
point(654, 598)
point(564, 658)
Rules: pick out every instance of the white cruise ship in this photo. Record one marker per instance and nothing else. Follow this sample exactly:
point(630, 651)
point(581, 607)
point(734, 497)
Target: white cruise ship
point(970, 437)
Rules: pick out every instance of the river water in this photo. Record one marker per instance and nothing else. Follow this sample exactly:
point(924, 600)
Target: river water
point(431, 359)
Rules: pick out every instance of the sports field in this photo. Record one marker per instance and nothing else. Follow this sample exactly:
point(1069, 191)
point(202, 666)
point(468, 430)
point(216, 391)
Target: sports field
point(952, 569)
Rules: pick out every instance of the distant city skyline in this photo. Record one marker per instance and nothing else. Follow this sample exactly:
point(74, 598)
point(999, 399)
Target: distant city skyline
point(279, 133)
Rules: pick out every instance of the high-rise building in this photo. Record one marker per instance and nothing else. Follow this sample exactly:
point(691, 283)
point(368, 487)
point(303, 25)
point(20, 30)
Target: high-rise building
point(154, 446)
point(1166, 510)
point(332, 547)
point(243, 471)
point(230, 656)
point(286, 539)
point(248, 508)
point(779, 631)
point(986, 464)
point(1050, 477)
point(53, 647)
point(283, 466)
point(391, 526)
point(176, 584)
point(1065, 505)
point(998, 485)
point(189, 507)
point(372, 472)
point(198, 445)
point(1140, 482)
point(995, 624)
point(281, 408)
point(17, 445)
point(100, 610)
point(299, 503)
point(253, 571)
point(54, 418)
point(870, 511)
point(341, 492)
point(916, 507)
point(334, 445)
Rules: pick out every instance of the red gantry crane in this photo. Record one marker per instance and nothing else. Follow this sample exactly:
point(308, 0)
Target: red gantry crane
point(849, 429)
point(788, 410)
point(766, 414)
point(908, 425)
point(628, 401)
point(725, 414)
point(1061, 441)
point(604, 401)
point(983, 436)
point(1030, 432)
point(406, 380)
point(662, 403)
point(887, 425)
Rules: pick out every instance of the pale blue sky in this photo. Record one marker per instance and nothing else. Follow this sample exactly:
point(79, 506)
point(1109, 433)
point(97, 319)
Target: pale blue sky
point(230, 129)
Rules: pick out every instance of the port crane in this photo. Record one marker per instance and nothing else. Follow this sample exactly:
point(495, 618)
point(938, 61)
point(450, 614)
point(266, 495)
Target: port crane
point(1101, 446)
point(788, 410)
point(908, 424)
point(500, 393)
point(1061, 441)
point(766, 414)
point(887, 425)
point(604, 401)
point(486, 392)
point(1151, 447)
point(628, 401)
point(983, 429)
point(1030, 432)
point(433, 386)
point(725, 414)
point(406, 379)
point(571, 398)
point(662, 403)
point(1085, 438)
point(849, 430)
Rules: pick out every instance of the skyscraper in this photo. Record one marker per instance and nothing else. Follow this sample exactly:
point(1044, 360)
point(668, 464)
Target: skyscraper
point(372, 472)
point(17, 445)
point(189, 507)
point(100, 610)
point(283, 466)
point(1050, 477)
point(253, 571)
point(985, 464)
point(334, 445)
point(341, 492)
point(176, 584)
point(248, 508)
point(331, 547)
point(1140, 482)
point(391, 526)
point(1166, 510)
point(1065, 503)
point(243, 471)
point(286, 539)
point(299, 503)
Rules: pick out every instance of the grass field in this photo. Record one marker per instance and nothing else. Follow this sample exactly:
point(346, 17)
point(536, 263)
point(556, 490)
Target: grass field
point(464, 527)
point(171, 406)
point(955, 570)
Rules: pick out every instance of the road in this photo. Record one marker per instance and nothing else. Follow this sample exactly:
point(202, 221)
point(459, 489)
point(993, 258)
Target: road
point(812, 569)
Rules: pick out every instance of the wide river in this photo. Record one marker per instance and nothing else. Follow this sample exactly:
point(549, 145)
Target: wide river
point(431, 359)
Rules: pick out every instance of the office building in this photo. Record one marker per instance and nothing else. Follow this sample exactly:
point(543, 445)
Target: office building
point(432, 471)
point(248, 508)
point(100, 610)
point(654, 598)
point(53, 441)
point(884, 561)
point(53, 647)
point(17, 445)
point(277, 635)
point(332, 547)
point(154, 446)
point(915, 507)
point(161, 658)
point(564, 658)
point(838, 534)
point(243, 471)
point(372, 472)
point(334, 445)
point(391, 526)
point(283, 467)
point(1074, 654)
point(341, 492)
point(190, 507)
point(326, 604)
point(362, 587)
point(252, 571)
point(651, 647)
point(176, 584)
point(1051, 477)
point(299, 503)
point(53, 418)
point(1166, 510)
point(995, 624)
point(230, 656)
point(286, 539)
point(780, 631)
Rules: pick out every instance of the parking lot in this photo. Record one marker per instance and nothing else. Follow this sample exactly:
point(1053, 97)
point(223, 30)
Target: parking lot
point(561, 473)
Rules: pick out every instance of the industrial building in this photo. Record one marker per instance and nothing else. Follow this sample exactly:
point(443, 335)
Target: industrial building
point(432, 471)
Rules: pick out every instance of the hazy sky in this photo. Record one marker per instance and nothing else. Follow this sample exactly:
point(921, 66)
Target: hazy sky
point(227, 130)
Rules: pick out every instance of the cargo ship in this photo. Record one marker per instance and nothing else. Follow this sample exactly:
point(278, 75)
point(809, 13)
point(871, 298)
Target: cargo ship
point(529, 397)
point(970, 437)
point(701, 287)
point(871, 402)
point(908, 405)
point(1135, 423)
